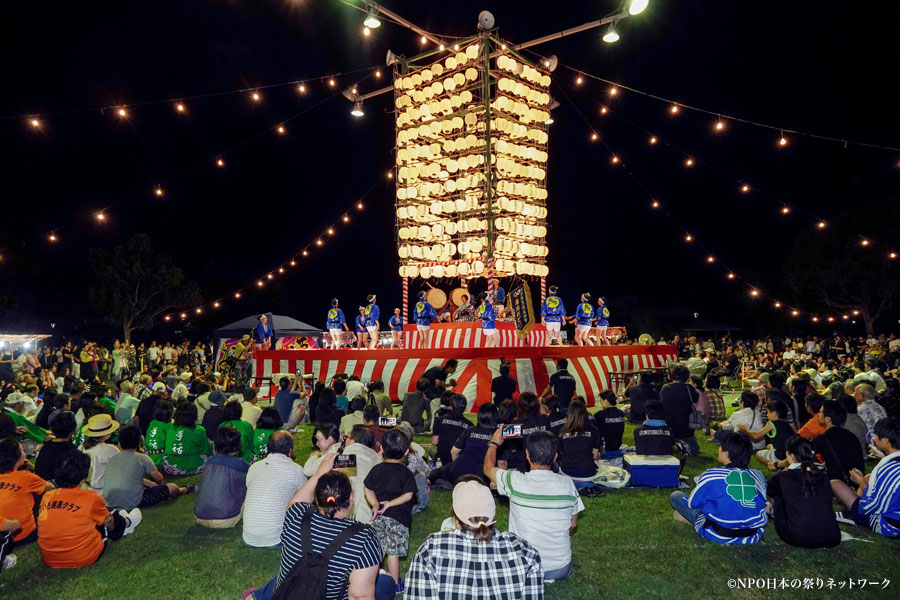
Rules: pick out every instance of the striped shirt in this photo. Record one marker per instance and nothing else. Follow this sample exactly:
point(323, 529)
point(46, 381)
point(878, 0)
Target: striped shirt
point(451, 564)
point(359, 552)
point(271, 483)
point(733, 498)
point(882, 497)
point(541, 506)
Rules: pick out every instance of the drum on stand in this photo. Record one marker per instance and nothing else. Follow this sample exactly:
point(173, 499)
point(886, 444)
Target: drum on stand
point(437, 298)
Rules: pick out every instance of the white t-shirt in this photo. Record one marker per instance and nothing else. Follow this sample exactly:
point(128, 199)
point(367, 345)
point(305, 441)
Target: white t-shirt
point(354, 389)
point(100, 455)
point(167, 353)
point(250, 412)
point(153, 352)
point(271, 483)
point(541, 507)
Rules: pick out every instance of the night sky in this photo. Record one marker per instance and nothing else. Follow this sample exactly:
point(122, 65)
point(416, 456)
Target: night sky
point(808, 66)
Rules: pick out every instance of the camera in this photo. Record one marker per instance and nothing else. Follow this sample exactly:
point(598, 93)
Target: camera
point(345, 461)
point(387, 421)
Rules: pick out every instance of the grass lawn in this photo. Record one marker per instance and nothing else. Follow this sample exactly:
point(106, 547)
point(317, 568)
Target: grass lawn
point(627, 545)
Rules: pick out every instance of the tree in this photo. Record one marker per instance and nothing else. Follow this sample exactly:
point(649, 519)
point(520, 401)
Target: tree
point(135, 284)
point(830, 270)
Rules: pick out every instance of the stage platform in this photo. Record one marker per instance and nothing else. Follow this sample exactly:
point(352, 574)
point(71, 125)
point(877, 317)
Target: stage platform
point(531, 367)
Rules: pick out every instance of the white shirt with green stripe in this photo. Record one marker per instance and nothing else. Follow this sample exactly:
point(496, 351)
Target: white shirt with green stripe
point(541, 506)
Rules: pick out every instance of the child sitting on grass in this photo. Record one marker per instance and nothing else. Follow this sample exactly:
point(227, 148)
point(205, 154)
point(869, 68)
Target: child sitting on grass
point(778, 430)
point(390, 488)
point(74, 525)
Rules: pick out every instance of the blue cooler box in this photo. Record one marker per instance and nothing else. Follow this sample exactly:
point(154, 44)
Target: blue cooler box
point(652, 471)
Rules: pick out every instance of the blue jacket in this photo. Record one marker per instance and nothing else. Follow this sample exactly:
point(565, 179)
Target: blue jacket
point(585, 313)
point(425, 313)
point(733, 498)
point(360, 324)
point(602, 316)
point(372, 313)
point(396, 323)
point(335, 319)
point(500, 295)
point(553, 309)
point(263, 332)
point(486, 313)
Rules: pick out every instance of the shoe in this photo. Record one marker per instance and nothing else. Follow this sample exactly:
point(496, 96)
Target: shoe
point(9, 562)
point(400, 586)
point(842, 518)
point(192, 489)
point(134, 517)
point(677, 516)
point(442, 484)
point(546, 581)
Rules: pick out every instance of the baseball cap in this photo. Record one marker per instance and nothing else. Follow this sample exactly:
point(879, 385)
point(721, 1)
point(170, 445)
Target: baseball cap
point(217, 398)
point(471, 499)
point(159, 386)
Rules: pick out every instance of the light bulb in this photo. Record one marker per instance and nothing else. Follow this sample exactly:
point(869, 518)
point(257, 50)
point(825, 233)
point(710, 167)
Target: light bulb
point(167, 318)
point(731, 276)
point(372, 21)
point(578, 80)
point(652, 139)
point(615, 159)
point(35, 123)
point(359, 205)
point(318, 242)
point(720, 126)
point(281, 269)
point(782, 141)
point(199, 310)
point(745, 188)
point(777, 305)
point(603, 110)
point(611, 36)
point(710, 259)
point(293, 263)
point(594, 137)
point(636, 7)
point(122, 112)
point(331, 83)
point(256, 97)
point(184, 315)
point(689, 162)
point(366, 31)
point(821, 225)
point(456, 46)
point(101, 216)
point(357, 109)
point(864, 243)
point(378, 74)
point(301, 88)
point(831, 319)
point(673, 109)
point(237, 294)
point(795, 313)
point(892, 255)
point(330, 231)
point(158, 191)
point(280, 129)
point(220, 162)
point(52, 237)
point(785, 210)
point(423, 39)
point(270, 276)
point(754, 293)
point(815, 319)
point(654, 204)
point(259, 283)
point(613, 91)
point(305, 253)
point(688, 238)
point(216, 305)
point(390, 175)
point(855, 313)
point(179, 107)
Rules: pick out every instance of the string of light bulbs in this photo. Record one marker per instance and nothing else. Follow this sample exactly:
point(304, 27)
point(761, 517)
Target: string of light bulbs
point(755, 291)
point(218, 159)
point(692, 159)
point(674, 107)
point(286, 266)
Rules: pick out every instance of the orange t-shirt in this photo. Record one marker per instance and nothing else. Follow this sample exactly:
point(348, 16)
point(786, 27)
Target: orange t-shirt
point(16, 500)
point(68, 520)
point(811, 429)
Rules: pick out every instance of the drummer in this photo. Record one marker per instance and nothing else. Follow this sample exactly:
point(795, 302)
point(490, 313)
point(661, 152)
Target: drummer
point(485, 312)
point(553, 311)
point(464, 312)
point(424, 314)
point(336, 324)
point(361, 332)
point(500, 301)
point(602, 321)
point(584, 315)
point(396, 323)
point(372, 324)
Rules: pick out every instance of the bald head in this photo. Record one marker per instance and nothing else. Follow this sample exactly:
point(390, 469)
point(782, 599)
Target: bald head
point(281, 442)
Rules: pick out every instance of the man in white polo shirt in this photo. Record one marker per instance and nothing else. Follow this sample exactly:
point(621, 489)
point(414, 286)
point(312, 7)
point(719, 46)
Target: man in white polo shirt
point(271, 483)
point(543, 505)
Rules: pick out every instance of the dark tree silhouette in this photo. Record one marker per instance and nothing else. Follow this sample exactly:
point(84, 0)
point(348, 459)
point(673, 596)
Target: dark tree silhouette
point(135, 284)
point(832, 271)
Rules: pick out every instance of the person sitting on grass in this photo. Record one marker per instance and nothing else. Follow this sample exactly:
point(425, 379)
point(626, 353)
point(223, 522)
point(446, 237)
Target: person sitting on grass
point(63, 427)
point(415, 462)
point(320, 513)
point(543, 505)
point(371, 416)
point(579, 443)
point(97, 432)
point(837, 447)
point(876, 501)
point(469, 449)
point(326, 440)
point(125, 483)
point(359, 444)
point(326, 410)
point(776, 429)
point(214, 415)
point(271, 483)
point(74, 525)
point(639, 395)
point(233, 410)
point(415, 404)
point(391, 490)
point(610, 422)
point(355, 417)
point(746, 415)
point(800, 500)
point(728, 506)
point(187, 447)
point(551, 407)
point(854, 423)
point(269, 422)
point(250, 410)
point(474, 560)
point(223, 488)
point(653, 437)
point(18, 489)
point(449, 426)
point(158, 431)
point(813, 427)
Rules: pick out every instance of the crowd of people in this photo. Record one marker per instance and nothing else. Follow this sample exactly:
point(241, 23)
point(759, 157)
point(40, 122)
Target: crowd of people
point(102, 453)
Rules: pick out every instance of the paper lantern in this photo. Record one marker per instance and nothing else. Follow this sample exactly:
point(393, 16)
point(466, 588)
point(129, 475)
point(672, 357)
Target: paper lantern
point(478, 267)
point(403, 251)
point(437, 271)
point(463, 268)
point(412, 271)
point(450, 271)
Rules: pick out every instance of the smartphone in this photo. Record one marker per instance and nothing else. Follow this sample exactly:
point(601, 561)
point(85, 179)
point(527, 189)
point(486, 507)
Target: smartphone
point(345, 461)
point(387, 421)
point(511, 431)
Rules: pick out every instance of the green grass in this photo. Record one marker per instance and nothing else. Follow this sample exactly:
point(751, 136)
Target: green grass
point(627, 545)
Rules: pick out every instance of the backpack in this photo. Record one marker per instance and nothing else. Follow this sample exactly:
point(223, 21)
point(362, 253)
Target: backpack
point(308, 577)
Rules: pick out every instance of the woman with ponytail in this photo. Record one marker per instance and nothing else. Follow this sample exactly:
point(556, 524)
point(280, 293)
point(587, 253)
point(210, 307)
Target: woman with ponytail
point(320, 512)
point(800, 499)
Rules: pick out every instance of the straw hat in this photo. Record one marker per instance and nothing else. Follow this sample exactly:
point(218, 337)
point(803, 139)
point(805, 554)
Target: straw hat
point(100, 425)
